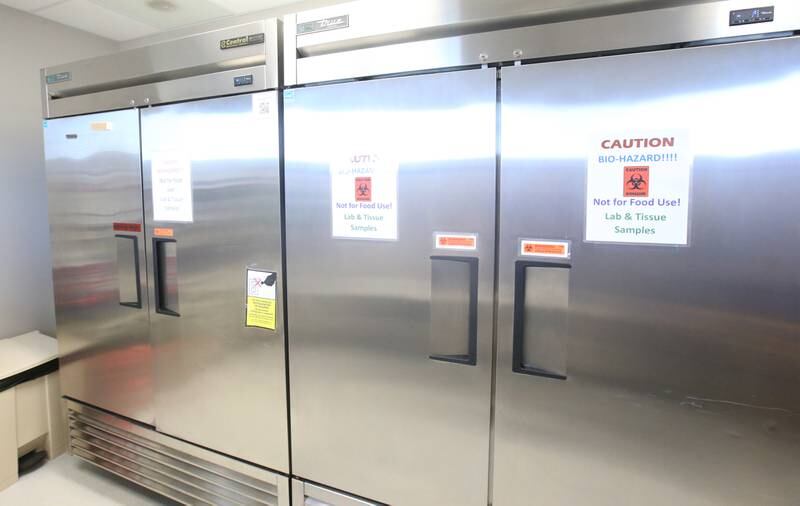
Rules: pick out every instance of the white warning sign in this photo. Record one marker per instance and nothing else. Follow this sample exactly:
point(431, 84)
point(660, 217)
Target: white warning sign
point(263, 104)
point(261, 290)
point(364, 197)
point(171, 177)
point(638, 188)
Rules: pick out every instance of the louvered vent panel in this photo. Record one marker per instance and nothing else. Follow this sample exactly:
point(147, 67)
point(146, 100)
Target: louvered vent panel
point(178, 475)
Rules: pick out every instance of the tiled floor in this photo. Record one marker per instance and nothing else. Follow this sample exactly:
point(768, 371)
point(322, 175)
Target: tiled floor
point(67, 481)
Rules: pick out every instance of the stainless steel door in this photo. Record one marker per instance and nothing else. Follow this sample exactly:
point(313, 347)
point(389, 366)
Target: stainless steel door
point(221, 383)
point(95, 197)
point(682, 363)
point(390, 397)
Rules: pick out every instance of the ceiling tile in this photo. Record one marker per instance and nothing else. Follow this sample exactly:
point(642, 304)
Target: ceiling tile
point(88, 16)
point(245, 6)
point(29, 5)
point(174, 13)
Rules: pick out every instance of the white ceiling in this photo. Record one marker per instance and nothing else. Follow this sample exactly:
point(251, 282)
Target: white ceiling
point(123, 20)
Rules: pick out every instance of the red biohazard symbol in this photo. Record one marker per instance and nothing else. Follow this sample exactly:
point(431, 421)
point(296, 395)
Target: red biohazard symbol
point(636, 182)
point(363, 189)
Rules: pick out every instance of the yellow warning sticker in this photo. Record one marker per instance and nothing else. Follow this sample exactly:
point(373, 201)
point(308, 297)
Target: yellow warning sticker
point(261, 313)
point(261, 289)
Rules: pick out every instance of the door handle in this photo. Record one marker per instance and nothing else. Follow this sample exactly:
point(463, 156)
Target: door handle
point(128, 281)
point(541, 297)
point(454, 309)
point(165, 272)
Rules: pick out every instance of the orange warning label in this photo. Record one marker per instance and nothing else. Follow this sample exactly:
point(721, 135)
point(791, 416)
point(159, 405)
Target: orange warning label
point(127, 227)
point(363, 189)
point(558, 249)
point(163, 232)
point(101, 126)
point(456, 241)
point(636, 182)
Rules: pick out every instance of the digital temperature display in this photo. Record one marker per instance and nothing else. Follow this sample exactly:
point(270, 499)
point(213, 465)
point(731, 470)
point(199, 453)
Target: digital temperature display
point(754, 15)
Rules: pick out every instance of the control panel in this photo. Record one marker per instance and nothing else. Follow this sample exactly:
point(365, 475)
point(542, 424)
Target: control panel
point(753, 15)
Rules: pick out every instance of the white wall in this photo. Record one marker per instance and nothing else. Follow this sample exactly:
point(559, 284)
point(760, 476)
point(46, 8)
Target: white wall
point(28, 43)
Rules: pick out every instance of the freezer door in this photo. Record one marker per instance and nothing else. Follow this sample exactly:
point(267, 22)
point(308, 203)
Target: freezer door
point(95, 200)
point(390, 351)
point(212, 205)
point(657, 366)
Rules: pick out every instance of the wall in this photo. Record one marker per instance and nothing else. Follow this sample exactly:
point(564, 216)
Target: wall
point(28, 43)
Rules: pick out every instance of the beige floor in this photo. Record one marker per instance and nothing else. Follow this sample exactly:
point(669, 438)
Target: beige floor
point(67, 481)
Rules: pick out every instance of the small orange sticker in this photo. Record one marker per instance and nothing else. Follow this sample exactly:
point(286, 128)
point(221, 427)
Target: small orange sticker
point(559, 249)
point(163, 232)
point(102, 126)
point(456, 241)
point(127, 227)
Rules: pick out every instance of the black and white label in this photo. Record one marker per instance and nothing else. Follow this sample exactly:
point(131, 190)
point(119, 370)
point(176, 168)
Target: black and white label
point(243, 80)
point(245, 40)
point(752, 16)
point(323, 25)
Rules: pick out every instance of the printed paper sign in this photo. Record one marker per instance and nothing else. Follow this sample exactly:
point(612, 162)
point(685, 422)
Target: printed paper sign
point(364, 197)
point(261, 289)
point(456, 241)
point(638, 188)
point(538, 248)
point(263, 104)
point(171, 177)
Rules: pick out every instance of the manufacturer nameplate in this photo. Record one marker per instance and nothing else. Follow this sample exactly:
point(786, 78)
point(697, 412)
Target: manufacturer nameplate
point(323, 25)
point(244, 40)
point(58, 78)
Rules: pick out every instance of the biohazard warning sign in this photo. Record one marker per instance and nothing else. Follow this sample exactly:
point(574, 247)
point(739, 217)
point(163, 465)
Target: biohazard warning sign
point(539, 248)
point(456, 241)
point(363, 189)
point(637, 188)
point(364, 196)
point(637, 181)
point(127, 227)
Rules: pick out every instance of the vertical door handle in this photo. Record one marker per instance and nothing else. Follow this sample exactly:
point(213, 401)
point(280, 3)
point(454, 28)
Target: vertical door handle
point(454, 309)
point(541, 297)
point(165, 272)
point(128, 281)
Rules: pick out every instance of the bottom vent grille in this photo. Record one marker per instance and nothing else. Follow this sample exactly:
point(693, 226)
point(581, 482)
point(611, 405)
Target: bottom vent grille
point(141, 455)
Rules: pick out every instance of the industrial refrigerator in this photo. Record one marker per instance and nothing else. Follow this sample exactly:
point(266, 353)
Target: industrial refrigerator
point(167, 263)
point(390, 226)
point(653, 358)
point(645, 318)
point(530, 258)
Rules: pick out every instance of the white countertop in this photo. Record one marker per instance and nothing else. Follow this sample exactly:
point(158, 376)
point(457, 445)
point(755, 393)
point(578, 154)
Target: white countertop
point(18, 354)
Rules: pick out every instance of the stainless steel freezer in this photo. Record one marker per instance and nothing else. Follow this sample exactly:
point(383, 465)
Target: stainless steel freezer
point(636, 363)
point(95, 204)
point(639, 368)
point(220, 383)
point(391, 324)
point(166, 225)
